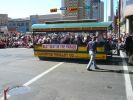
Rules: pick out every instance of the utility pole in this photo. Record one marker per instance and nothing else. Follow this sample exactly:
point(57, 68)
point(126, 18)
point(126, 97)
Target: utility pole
point(119, 17)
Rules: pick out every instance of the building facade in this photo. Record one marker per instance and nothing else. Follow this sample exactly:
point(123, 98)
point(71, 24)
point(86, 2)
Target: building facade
point(40, 19)
point(111, 17)
point(35, 19)
point(87, 9)
point(3, 19)
point(126, 10)
point(3, 23)
point(66, 13)
point(101, 11)
point(24, 25)
point(19, 25)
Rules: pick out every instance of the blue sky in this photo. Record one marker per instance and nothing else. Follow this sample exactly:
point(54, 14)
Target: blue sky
point(24, 8)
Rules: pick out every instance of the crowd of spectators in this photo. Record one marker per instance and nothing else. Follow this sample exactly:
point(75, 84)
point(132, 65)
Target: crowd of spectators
point(81, 38)
point(13, 41)
point(68, 38)
point(26, 41)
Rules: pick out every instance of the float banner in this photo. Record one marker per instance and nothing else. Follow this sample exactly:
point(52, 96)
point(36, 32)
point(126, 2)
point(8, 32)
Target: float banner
point(68, 47)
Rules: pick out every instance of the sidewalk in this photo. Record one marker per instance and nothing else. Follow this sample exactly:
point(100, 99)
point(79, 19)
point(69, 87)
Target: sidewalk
point(129, 60)
point(123, 54)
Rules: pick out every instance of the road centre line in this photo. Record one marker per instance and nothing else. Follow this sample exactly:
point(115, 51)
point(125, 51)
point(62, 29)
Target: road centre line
point(37, 77)
point(128, 85)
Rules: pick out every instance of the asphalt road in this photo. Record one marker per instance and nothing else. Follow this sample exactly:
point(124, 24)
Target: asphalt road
point(28, 78)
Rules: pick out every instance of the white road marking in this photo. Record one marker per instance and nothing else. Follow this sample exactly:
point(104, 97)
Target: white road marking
point(41, 75)
point(128, 85)
point(37, 77)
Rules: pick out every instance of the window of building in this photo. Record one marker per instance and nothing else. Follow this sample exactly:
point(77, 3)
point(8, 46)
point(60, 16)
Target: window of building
point(13, 24)
point(18, 24)
point(22, 24)
point(27, 24)
point(27, 29)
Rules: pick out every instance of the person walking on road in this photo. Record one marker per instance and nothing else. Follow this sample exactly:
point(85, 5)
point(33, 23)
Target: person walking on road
point(129, 48)
point(91, 46)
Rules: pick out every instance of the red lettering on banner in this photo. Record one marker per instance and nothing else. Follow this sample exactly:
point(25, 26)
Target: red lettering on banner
point(50, 46)
point(43, 46)
point(57, 46)
point(53, 46)
point(67, 46)
point(47, 46)
point(60, 46)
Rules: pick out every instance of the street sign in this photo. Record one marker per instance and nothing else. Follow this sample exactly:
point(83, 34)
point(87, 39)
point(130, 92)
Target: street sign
point(72, 9)
point(63, 8)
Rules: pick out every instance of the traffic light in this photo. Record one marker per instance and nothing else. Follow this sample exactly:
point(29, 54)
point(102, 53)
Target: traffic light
point(72, 9)
point(53, 10)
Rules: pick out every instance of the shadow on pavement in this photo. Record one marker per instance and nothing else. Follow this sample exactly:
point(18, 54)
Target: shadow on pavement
point(114, 71)
point(117, 61)
point(80, 61)
point(112, 61)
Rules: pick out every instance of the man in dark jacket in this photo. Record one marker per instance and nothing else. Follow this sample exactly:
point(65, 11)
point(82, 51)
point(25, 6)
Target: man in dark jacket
point(129, 48)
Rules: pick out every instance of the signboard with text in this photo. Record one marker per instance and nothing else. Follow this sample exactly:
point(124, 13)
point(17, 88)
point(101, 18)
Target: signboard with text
point(66, 47)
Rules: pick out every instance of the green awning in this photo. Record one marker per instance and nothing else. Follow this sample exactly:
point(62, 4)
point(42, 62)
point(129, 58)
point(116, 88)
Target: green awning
point(69, 26)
